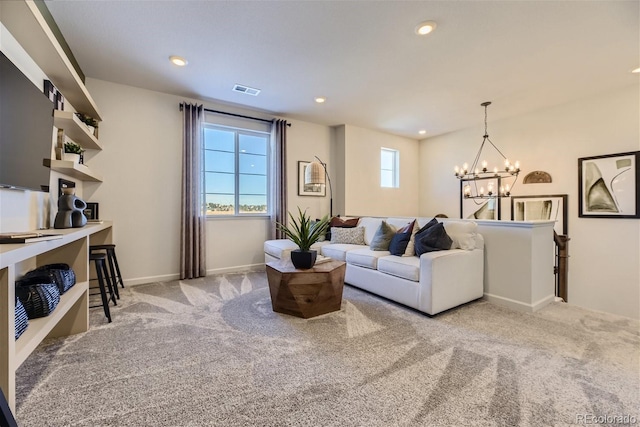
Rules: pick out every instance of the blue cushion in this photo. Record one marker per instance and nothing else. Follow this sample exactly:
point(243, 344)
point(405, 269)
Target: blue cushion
point(433, 238)
point(400, 240)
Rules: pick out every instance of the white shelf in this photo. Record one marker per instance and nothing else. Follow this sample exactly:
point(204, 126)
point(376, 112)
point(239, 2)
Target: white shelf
point(74, 170)
point(75, 129)
point(25, 22)
point(39, 328)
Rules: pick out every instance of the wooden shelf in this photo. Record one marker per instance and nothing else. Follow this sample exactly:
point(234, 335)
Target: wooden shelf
point(75, 129)
point(26, 23)
point(72, 169)
point(40, 328)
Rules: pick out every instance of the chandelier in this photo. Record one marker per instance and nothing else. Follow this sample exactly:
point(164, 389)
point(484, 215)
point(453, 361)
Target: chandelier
point(481, 182)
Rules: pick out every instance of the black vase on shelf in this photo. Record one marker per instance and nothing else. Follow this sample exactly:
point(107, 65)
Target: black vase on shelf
point(70, 211)
point(303, 260)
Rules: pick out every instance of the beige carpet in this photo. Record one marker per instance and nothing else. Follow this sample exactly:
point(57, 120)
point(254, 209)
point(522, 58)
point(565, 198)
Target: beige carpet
point(210, 352)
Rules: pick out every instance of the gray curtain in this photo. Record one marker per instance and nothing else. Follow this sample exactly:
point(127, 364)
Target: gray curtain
point(279, 176)
point(192, 231)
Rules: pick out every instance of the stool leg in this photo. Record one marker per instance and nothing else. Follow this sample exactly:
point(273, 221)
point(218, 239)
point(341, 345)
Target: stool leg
point(115, 262)
point(114, 279)
point(101, 271)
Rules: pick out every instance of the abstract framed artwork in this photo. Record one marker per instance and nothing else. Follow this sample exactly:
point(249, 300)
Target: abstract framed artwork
point(92, 211)
point(533, 208)
point(485, 208)
point(317, 190)
point(608, 186)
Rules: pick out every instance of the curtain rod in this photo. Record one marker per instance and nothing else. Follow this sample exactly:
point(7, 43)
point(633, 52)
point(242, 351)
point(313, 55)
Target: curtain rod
point(234, 115)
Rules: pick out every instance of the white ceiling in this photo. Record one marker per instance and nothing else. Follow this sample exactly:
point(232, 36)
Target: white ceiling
point(363, 56)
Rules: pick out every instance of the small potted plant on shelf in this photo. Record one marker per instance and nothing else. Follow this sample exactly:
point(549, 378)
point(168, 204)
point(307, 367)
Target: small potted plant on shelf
point(90, 122)
point(72, 151)
point(304, 232)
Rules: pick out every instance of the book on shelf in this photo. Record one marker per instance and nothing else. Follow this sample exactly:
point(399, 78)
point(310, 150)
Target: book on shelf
point(10, 238)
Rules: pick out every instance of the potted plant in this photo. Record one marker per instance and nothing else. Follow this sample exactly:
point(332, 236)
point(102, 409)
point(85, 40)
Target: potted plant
point(72, 151)
point(304, 232)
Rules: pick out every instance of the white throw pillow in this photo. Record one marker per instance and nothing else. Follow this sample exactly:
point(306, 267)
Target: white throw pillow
point(462, 233)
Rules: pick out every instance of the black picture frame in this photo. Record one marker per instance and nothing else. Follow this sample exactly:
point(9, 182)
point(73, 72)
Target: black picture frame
point(609, 186)
point(308, 189)
point(64, 183)
point(473, 208)
point(92, 210)
point(545, 207)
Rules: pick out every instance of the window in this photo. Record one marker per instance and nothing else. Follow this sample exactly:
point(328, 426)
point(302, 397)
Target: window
point(389, 168)
point(235, 171)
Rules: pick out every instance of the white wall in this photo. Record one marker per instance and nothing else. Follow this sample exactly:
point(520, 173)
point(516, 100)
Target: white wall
point(363, 195)
point(141, 164)
point(604, 272)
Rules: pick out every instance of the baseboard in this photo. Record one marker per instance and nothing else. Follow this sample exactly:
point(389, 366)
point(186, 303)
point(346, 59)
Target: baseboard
point(236, 269)
point(151, 279)
point(210, 272)
point(519, 305)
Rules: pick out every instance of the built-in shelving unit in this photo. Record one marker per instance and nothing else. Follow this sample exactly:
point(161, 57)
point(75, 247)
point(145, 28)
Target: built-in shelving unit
point(25, 22)
point(72, 169)
point(75, 129)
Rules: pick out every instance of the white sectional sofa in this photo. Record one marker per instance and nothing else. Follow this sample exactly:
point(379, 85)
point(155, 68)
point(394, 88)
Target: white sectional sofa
point(434, 282)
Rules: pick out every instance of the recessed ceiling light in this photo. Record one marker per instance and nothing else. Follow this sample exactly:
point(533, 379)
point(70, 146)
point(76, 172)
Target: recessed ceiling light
point(320, 99)
point(178, 60)
point(422, 132)
point(637, 70)
point(424, 28)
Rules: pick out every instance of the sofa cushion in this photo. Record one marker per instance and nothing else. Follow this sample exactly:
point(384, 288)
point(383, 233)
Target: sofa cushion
point(463, 234)
point(382, 239)
point(365, 257)
point(433, 238)
point(353, 236)
point(371, 226)
point(405, 267)
point(336, 221)
point(411, 248)
point(428, 224)
point(338, 251)
point(400, 240)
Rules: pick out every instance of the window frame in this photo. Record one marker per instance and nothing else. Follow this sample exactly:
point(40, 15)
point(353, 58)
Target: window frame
point(238, 131)
point(395, 170)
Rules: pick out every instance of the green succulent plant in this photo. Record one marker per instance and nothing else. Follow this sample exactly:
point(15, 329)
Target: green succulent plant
point(303, 231)
point(72, 147)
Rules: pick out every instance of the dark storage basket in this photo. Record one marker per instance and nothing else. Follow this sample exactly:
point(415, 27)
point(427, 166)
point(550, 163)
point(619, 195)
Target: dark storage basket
point(22, 320)
point(39, 297)
point(60, 274)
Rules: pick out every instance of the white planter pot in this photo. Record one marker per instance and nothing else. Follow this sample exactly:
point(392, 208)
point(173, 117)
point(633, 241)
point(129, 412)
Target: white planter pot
point(73, 157)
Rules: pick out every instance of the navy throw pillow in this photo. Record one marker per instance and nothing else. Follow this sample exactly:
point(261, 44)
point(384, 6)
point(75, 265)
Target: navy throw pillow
point(428, 225)
point(434, 238)
point(400, 240)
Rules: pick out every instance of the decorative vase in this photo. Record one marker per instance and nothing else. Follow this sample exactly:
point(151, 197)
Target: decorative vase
point(303, 260)
point(75, 158)
point(70, 211)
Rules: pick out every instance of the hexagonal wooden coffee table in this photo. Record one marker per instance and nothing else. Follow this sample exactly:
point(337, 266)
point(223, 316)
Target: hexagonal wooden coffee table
point(306, 293)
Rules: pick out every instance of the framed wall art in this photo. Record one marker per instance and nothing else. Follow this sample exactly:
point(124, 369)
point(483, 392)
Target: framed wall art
point(64, 183)
point(608, 186)
point(317, 190)
point(532, 208)
point(485, 208)
point(92, 211)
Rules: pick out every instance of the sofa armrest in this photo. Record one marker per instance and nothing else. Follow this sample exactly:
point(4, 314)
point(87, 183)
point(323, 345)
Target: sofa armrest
point(450, 278)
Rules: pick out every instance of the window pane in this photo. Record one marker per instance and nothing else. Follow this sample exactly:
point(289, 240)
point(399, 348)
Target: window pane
point(216, 139)
point(219, 183)
point(253, 144)
point(253, 184)
point(220, 204)
point(253, 204)
point(250, 163)
point(386, 179)
point(218, 161)
point(387, 159)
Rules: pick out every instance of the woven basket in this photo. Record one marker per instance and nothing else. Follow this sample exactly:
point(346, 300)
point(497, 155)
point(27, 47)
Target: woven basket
point(38, 297)
point(60, 274)
point(22, 320)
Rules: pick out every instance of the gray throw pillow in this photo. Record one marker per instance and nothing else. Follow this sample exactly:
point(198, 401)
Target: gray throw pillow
point(382, 238)
point(352, 236)
point(433, 238)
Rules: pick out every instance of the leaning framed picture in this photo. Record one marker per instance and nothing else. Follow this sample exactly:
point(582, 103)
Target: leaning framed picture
point(532, 208)
point(487, 207)
point(317, 190)
point(608, 186)
point(92, 211)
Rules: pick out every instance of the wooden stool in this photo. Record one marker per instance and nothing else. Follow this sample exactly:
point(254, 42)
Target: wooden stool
point(114, 268)
point(101, 271)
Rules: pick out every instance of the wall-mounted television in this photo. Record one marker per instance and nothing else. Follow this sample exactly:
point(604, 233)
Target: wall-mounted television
point(26, 130)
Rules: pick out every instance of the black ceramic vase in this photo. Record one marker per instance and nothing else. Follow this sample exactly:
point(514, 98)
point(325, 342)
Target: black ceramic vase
point(303, 260)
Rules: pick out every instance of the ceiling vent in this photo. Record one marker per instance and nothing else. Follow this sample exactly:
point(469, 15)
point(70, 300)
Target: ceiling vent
point(246, 90)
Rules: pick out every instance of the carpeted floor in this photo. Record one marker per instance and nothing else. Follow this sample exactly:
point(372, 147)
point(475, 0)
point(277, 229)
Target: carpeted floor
point(210, 352)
